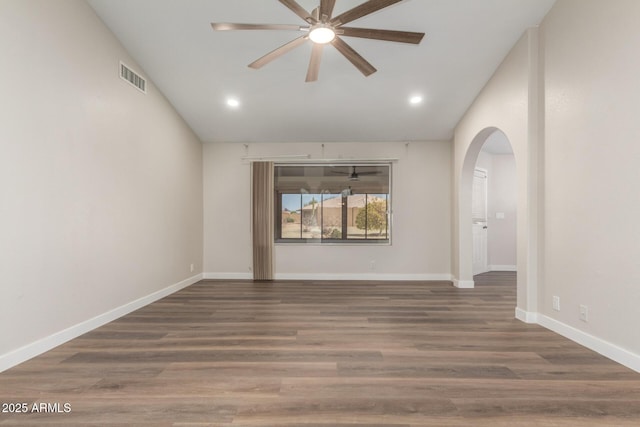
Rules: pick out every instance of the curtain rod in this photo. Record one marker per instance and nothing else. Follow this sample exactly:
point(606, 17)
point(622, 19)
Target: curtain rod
point(306, 158)
point(284, 156)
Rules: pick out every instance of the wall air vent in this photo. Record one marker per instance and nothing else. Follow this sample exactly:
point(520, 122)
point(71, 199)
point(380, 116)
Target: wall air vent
point(133, 78)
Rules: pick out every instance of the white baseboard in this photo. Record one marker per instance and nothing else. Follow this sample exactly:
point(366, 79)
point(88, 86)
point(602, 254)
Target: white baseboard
point(227, 276)
point(526, 316)
point(363, 276)
point(503, 268)
point(36, 348)
point(463, 284)
point(326, 276)
point(605, 348)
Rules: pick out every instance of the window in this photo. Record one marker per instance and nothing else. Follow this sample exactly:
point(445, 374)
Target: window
point(342, 203)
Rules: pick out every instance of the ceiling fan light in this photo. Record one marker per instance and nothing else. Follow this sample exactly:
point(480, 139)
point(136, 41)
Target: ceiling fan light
point(233, 102)
point(322, 35)
point(415, 100)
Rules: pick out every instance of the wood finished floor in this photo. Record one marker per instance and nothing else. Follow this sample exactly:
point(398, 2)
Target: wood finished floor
point(385, 354)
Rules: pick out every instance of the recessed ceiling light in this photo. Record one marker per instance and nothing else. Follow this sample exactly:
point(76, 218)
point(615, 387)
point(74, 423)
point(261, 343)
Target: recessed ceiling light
point(233, 102)
point(415, 100)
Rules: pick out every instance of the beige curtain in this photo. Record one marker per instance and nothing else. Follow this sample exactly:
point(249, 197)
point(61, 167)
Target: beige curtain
point(262, 220)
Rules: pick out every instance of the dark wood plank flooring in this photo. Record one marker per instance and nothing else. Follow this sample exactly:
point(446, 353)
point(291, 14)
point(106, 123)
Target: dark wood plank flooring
point(289, 353)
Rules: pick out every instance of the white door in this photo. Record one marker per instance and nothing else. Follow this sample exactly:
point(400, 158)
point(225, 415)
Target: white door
point(480, 249)
point(479, 215)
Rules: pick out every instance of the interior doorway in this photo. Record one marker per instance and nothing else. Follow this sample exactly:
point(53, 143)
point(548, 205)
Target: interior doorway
point(492, 205)
point(525, 180)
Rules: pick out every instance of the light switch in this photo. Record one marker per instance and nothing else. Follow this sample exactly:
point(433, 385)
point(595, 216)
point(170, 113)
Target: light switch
point(499, 215)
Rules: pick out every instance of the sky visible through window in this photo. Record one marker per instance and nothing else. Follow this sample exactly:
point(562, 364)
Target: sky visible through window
point(291, 202)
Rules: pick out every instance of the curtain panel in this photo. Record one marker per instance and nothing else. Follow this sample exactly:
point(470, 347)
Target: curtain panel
point(262, 213)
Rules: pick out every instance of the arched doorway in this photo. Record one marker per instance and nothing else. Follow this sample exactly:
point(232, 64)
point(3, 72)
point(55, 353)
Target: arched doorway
point(528, 240)
point(474, 228)
point(494, 207)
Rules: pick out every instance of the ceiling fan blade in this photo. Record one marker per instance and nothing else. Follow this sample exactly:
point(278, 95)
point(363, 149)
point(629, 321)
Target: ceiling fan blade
point(226, 26)
point(299, 10)
point(353, 56)
point(314, 63)
point(362, 10)
point(326, 8)
point(261, 62)
point(389, 35)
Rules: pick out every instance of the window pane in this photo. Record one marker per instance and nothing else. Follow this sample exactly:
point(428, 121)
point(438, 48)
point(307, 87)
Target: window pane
point(291, 227)
point(331, 216)
point(377, 216)
point(367, 216)
point(311, 216)
point(356, 219)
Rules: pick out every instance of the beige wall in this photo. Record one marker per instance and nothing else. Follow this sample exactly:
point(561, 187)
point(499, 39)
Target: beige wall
point(100, 185)
point(421, 216)
point(592, 157)
point(568, 100)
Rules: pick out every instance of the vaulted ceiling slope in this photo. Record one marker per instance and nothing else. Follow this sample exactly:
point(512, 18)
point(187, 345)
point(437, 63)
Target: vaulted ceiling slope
point(197, 68)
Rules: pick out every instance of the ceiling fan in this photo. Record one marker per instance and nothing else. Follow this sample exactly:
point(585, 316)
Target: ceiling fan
point(355, 176)
point(322, 28)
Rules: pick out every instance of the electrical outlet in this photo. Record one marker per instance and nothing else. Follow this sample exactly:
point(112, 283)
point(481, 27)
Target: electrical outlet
point(584, 313)
point(372, 265)
point(556, 303)
point(191, 267)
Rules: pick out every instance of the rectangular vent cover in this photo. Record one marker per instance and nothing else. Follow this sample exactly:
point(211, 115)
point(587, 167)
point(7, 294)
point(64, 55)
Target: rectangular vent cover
point(132, 77)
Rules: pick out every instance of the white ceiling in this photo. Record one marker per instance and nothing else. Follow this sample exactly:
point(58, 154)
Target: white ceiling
point(197, 68)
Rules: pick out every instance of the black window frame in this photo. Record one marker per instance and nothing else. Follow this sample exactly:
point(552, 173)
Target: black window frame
point(319, 193)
